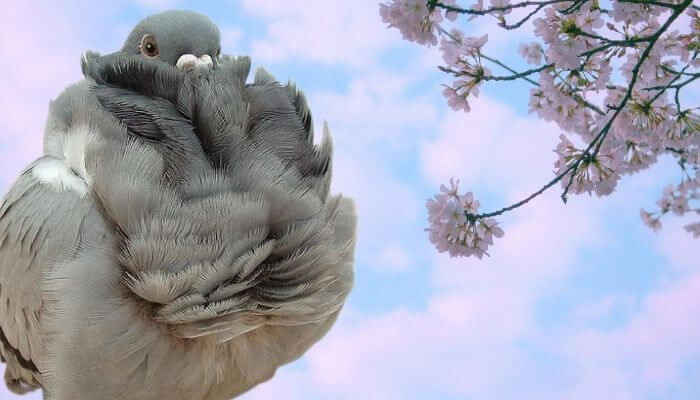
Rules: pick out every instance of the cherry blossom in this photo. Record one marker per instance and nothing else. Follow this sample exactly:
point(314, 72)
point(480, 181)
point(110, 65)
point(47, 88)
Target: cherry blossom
point(593, 174)
point(413, 19)
point(500, 4)
point(650, 221)
point(455, 226)
point(463, 55)
point(531, 52)
point(694, 229)
point(636, 56)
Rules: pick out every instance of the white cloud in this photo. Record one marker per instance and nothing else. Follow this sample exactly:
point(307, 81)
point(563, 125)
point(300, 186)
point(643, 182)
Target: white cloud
point(602, 309)
point(157, 4)
point(393, 257)
point(491, 146)
point(373, 122)
point(385, 205)
point(230, 38)
point(679, 246)
point(327, 32)
point(375, 108)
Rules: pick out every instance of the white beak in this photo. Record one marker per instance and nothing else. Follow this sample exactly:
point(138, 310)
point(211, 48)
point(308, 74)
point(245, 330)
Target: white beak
point(189, 63)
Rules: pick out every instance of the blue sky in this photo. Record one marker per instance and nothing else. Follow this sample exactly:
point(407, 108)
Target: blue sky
point(577, 301)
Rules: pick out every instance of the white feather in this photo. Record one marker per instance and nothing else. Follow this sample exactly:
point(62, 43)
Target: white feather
point(57, 174)
point(68, 150)
point(190, 62)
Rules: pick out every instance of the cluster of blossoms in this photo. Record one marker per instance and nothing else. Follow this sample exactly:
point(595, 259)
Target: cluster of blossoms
point(532, 52)
point(593, 174)
point(463, 55)
point(454, 225)
point(676, 200)
point(415, 20)
point(608, 78)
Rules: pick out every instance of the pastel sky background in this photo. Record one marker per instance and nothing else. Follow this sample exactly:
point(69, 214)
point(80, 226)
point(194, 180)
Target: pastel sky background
point(576, 302)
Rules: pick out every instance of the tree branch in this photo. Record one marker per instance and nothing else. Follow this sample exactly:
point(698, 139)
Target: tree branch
point(599, 139)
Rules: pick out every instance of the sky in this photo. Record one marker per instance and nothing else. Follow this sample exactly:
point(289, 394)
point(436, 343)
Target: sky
point(577, 301)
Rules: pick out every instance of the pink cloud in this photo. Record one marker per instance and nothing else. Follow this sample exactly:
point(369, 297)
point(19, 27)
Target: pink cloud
point(645, 354)
point(40, 59)
point(455, 346)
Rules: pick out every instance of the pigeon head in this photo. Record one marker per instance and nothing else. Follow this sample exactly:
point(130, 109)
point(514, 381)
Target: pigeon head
point(183, 39)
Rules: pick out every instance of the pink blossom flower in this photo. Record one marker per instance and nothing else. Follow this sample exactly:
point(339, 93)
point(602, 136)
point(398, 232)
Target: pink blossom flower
point(650, 221)
point(500, 4)
point(457, 95)
point(693, 228)
point(463, 55)
point(455, 227)
point(413, 19)
point(451, 15)
point(634, 13)
point(594, 173)
point(532, 53)
point(588, 20)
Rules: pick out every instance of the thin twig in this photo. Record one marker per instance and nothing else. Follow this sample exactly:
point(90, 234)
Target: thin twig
point(651, 3)
point(522, 21)
point(434, 3)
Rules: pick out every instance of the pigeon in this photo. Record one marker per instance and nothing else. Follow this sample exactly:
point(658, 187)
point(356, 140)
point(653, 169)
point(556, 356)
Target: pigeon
point(177, 240)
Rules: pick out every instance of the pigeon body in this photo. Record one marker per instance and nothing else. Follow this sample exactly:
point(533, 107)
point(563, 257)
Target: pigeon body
point(177, 240)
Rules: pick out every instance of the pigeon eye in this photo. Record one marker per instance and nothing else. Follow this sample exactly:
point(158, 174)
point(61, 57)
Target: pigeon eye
point(148, 46)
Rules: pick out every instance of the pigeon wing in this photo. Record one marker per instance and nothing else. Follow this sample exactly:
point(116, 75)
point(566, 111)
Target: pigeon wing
point(45, 218)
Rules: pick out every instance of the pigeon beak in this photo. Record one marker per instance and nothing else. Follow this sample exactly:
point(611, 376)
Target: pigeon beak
point(189, 63)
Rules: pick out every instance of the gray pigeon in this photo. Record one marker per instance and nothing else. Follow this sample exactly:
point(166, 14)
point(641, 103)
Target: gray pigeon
point(162, 250)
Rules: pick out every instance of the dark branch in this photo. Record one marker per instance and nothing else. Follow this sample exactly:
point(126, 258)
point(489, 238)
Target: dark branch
point(651, 3)
point(434, 3)
point(522, 21)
